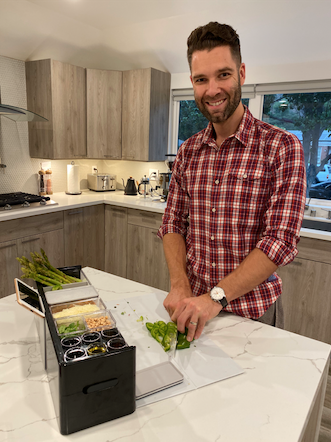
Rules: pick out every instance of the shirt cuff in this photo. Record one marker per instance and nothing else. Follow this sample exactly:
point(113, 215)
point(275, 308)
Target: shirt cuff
point(276, 250)
point(166, 228)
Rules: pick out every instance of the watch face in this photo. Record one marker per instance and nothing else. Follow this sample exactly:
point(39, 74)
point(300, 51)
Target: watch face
point(217, 293)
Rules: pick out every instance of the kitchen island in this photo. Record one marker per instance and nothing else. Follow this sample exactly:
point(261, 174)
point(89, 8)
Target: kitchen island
point(278, 397)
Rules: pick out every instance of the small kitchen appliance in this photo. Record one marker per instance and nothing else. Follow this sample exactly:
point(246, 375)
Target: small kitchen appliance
point(130, 188)
point(101, 182)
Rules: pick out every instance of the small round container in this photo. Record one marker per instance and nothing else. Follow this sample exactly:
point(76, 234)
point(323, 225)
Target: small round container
point(89, 338)
point(70, 342)
point(116, 344)
point(109, 333)
point(74, 354)
point(96, 349)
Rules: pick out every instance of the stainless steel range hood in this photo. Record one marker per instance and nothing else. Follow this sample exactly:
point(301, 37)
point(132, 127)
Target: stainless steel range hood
point(18, 114)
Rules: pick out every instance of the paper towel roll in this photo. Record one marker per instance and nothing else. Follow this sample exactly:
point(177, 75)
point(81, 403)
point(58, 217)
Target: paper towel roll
point(73, 186)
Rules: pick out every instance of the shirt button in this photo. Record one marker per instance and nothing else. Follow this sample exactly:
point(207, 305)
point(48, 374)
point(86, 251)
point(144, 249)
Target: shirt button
point(212, 238)
point(217, 182)
point(245, 175)
point(213, 264)
point(213, 209)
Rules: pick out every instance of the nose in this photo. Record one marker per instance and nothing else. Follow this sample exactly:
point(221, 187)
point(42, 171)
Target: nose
point(213, 88)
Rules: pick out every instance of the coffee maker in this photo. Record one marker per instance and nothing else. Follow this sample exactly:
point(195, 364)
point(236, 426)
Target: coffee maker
point(165, 177)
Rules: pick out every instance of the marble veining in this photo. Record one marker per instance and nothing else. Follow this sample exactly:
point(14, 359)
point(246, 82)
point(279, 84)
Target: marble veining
point(269, 402)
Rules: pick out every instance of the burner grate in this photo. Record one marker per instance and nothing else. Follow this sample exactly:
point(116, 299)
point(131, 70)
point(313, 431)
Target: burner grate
point(16, 198)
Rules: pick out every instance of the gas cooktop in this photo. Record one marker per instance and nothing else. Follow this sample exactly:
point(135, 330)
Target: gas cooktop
point(21, 200)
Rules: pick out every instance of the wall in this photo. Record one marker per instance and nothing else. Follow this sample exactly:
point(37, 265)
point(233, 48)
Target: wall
point(21, 173)
point(270, 73)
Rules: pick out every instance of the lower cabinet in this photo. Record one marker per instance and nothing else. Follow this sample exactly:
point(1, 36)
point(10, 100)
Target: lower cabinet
point(132, 248)
point(116, 240)
point(84, 234)
point(9, 267)
point(146, 262)
point(307, 290)
point(28, 235)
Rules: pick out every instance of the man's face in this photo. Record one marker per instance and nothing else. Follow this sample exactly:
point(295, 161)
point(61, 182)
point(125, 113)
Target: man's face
point(217, 82)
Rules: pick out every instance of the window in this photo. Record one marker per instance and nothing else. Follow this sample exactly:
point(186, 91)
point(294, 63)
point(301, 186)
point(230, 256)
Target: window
point(308, 116)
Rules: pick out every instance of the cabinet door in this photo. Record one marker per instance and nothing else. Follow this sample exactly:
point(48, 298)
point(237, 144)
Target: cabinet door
point(116, 225)
point(51, 242)
point(146, 262)
point(145, 114)
point(69, 110)
point(104, 113)
point(306, 298)
point(74, 237)
point(57, 91)
point(9, 267)
point(94, 237)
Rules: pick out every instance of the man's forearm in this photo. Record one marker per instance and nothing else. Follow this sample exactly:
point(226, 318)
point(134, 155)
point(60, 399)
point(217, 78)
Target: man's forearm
point(175, 253)
point(255, 269)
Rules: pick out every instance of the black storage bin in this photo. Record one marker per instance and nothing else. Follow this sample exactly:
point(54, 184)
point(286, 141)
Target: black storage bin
point(92, 390)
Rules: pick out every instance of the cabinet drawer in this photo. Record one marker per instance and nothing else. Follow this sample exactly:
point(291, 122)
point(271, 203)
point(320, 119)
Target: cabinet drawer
point(315, 250)
point(31, 225)
point(144, 219)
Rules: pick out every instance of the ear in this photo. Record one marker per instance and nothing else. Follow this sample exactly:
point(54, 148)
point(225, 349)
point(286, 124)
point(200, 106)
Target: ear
point(191, 79)
point(242, 73)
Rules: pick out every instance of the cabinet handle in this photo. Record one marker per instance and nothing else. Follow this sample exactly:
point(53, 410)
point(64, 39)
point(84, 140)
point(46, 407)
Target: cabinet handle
point(74, 212)
point(30, 240)
point(109, 156)
point(118, 209)
point(8, 245)
point(154, 232)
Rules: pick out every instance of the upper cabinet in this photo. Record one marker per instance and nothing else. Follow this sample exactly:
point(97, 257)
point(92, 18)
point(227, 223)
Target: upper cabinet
point(145, 114)
point(57, 91)
point(104, 113)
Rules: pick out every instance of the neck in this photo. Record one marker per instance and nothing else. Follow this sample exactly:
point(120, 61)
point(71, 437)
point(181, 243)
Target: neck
point(229, 127)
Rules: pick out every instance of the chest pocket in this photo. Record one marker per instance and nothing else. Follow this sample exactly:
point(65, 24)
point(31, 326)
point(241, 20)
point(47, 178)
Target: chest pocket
point(247, 190)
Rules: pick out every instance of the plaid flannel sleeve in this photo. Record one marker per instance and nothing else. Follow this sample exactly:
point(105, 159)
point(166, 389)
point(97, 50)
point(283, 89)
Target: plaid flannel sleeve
point(284, 214)
point(175, 218)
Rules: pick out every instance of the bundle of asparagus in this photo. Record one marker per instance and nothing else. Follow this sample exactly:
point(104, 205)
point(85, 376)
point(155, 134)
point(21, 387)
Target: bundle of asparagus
point(41, 270)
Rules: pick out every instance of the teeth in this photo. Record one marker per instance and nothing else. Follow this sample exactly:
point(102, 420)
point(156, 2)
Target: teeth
point(217, 103)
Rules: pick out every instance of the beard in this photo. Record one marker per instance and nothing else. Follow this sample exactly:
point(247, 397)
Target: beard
point(233, 100)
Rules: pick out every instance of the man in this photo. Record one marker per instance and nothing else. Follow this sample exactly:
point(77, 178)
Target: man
point(236, 198)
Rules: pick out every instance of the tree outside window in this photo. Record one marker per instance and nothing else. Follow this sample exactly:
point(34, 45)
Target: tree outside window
point(308, 115)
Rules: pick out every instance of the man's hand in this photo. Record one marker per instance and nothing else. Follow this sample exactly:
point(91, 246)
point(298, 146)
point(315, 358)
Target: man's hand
point(193, 313)
point(175, 296)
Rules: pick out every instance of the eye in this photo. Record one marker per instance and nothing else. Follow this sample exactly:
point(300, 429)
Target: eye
point(200, 80)
point(224, 75)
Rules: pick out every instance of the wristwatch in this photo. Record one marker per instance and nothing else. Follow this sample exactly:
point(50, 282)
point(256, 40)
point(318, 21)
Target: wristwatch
point(217, 294)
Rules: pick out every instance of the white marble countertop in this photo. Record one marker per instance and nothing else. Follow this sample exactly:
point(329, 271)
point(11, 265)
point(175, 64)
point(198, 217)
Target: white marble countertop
point(116, 198)
point(269, 402)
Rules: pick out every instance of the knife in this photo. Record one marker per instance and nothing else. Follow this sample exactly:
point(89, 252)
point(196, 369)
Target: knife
point(173, 345)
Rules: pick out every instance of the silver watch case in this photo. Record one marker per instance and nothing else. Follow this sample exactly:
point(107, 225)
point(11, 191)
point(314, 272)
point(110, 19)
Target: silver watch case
point(217, 294)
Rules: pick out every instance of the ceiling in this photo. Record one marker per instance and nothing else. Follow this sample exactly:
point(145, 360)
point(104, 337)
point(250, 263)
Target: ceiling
point(129, 34)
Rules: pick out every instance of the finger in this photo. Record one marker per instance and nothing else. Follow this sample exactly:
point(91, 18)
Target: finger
point(192, 327)
point(199, 329)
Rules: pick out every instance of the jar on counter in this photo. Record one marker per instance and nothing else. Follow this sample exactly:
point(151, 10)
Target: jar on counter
point(49, 184)
point(41, 182)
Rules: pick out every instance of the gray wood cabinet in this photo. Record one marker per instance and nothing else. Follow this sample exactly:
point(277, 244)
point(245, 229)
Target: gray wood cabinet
point(104, 113)
point(20, 237)
point(84, 233)
point(146, 262)
point(145, 114)
point(307, 290)
point(116, 240)
point(56, 91)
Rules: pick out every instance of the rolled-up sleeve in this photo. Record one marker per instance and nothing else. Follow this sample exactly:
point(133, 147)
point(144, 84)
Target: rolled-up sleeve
point(285, 210)
point(175, 218)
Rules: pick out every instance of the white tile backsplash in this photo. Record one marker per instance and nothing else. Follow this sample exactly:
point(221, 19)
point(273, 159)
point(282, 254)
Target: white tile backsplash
point(21, 173)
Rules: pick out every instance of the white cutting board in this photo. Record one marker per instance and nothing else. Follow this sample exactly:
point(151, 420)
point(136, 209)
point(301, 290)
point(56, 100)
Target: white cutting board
point(201, 364)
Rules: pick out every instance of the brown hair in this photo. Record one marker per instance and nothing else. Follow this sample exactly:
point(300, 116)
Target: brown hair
point(211, 36)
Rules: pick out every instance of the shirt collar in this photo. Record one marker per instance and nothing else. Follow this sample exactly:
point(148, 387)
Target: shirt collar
point(242, 134)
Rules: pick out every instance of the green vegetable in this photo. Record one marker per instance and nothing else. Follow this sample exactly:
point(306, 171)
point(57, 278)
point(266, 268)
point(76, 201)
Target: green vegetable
point(41, 270)
point(163, 333)
point(66, 329)
point(140, 319)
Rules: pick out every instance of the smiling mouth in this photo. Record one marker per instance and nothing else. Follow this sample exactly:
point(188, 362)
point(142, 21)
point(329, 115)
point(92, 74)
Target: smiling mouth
point(215, 103)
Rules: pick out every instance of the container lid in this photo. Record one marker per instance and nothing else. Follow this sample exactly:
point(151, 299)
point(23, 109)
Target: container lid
point(19, 114)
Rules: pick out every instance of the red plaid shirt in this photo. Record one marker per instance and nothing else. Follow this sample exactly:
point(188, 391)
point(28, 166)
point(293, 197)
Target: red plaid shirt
point(226, 201)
